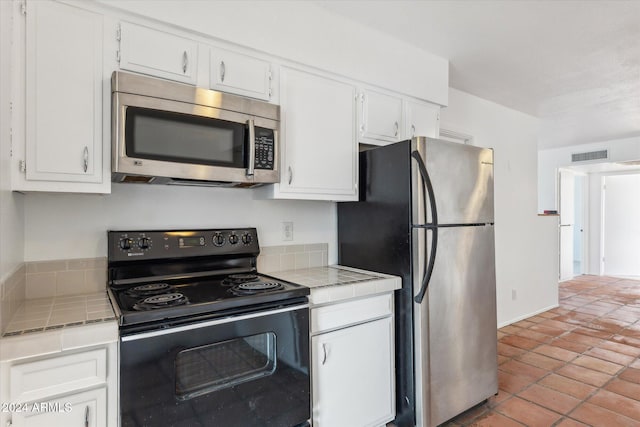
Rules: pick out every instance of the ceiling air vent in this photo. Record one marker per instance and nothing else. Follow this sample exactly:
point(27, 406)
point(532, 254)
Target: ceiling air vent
point(592, 155)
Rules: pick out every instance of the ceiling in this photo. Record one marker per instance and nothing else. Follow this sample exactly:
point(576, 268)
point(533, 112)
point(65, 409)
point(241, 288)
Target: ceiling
point(574, 64)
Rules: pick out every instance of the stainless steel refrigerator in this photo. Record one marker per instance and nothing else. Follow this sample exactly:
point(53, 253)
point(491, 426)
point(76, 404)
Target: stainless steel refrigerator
point(425, 213)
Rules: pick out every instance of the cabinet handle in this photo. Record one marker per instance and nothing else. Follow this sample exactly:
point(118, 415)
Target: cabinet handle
point(86, 416)
point(413, 131)
point(290, 175)
point(85, 156)
point(324, 351)
point(252, 147)
point(185, 61)
point(363, 125)
point(223, 70)
point(395, 129)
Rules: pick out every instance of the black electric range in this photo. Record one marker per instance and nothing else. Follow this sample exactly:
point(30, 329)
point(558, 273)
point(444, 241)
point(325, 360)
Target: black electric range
point(160, 278)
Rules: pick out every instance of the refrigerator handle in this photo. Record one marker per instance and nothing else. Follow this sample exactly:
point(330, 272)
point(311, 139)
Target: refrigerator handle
point(427, 187)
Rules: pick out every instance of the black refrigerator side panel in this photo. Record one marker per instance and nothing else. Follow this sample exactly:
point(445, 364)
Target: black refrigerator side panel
point(375, 234)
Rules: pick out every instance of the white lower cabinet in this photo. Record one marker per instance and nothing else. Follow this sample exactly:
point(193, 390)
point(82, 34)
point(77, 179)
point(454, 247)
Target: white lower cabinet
point(86, 409)
point(69, 388)
point(353, 369)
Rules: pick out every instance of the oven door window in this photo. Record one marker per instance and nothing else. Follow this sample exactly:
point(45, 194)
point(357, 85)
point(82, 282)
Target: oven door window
point(184, 138)
point(224, 364)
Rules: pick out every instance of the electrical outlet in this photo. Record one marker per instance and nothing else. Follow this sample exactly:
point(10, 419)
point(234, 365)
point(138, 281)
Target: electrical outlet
point(514, 295)
point(287, 230)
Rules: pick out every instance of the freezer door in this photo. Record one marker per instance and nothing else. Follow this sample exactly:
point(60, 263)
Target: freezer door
point(455, 325)
point(462, 180)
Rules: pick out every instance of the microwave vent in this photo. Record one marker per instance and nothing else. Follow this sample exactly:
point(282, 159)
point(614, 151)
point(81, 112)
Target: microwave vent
point(591, 155)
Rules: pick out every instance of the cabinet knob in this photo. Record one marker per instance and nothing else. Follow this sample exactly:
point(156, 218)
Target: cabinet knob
point(396, 127)
point(413, 131)
point(324, 351)
point(223, 71)
point(290, 175)
point(86, 416)
point(185, 61)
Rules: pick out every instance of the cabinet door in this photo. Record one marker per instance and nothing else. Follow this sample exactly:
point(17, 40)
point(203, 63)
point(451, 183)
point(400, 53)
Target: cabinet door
point(353, 376)
point(157, 53)
point(380, 118)
point(63, 94)
point(240, 74)
point(319, 147)
point(88, 408)
point(423, 119)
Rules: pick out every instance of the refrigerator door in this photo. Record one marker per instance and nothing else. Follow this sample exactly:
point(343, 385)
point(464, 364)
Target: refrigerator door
point(462, 180)
point(455, 325)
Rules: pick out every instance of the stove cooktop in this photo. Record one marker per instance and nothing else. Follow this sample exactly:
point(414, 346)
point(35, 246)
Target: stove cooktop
point(160, 301)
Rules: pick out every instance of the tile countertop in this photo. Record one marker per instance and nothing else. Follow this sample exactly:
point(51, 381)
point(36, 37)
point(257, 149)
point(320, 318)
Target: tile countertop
point(335, 283)
point(49, 325)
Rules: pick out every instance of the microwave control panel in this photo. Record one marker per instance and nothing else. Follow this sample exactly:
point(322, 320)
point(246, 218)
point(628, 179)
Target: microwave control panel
point(265, 148)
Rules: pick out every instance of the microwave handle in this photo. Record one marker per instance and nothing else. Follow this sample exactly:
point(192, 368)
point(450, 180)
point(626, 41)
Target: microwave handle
point(252, 147)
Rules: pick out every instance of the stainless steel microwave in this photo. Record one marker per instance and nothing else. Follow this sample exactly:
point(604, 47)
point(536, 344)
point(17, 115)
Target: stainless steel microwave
point(172, 133)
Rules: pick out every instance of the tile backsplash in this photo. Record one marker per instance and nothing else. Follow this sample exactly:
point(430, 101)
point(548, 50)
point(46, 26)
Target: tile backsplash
point(60, 278)
point(12, 295)
point(291, 257)
point(45, 279)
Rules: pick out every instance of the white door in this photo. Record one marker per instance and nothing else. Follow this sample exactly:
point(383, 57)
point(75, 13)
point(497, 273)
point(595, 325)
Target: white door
point(319, 146)
point(380, 118)
point(353, 376)
point(579, 224)
point(566, 203)
point(88, 408)
point(621, 228)
point(64, 94)
point(422, 119)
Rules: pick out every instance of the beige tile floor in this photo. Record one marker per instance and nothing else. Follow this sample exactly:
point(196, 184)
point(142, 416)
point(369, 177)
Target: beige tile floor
point(576, 365)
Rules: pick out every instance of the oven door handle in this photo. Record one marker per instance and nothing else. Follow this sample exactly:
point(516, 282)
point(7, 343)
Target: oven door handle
point(200, 325)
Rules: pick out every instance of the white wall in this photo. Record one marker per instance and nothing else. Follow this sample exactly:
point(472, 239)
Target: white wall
point(550, 160)
point(74, 225)
point(526, 245)
point(11, 204)
point(621, 225)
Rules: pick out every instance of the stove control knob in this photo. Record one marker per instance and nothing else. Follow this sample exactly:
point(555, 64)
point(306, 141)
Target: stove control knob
point(125, 244)
point(144, 243)
point(247, 238)
point(218, 239)
point(233, 239)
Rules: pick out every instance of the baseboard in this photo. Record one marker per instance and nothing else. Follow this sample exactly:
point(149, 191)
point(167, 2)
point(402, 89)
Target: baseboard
point(517, 319)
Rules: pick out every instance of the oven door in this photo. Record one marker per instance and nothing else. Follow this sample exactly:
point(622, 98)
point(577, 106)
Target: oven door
point(248, 370)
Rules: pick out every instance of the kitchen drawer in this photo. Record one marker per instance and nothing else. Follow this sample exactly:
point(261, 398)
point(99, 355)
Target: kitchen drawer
point(343, 314)
point(36, 380)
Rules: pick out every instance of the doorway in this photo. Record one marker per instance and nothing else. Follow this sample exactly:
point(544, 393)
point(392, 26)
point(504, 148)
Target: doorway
point(572, 203)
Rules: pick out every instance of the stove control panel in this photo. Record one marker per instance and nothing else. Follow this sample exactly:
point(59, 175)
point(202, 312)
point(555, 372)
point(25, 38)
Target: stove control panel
point(137, 245)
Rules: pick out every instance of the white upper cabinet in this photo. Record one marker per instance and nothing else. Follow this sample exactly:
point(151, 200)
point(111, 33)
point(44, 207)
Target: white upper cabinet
point(63, 124)
point(318, 138)
point(380, 117)
point(240, 74)
point(157, 53)
point(422, 119)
